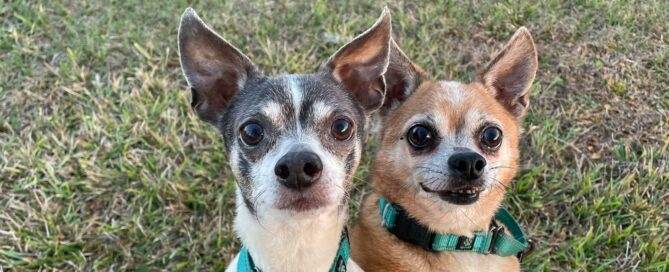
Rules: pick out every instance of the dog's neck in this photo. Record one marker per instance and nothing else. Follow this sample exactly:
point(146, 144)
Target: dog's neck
point(283, 242)
point(436, 214)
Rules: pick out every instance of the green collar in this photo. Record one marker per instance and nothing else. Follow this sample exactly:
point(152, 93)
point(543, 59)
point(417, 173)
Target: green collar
point(495, 241)
point(246, 264)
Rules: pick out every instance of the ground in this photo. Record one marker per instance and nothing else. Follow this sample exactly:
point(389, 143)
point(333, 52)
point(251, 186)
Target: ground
point(103, 165)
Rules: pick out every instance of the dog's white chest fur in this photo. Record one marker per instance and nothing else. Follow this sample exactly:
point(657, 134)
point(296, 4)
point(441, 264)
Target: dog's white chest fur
point(351, 266)
point(279, 242)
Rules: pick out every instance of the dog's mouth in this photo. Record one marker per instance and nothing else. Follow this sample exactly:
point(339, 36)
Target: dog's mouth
point(301, 201)
point(301, 204)
point(464, 195)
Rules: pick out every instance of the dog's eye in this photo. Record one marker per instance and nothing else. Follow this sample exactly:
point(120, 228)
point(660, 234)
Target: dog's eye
point(342, 129)
point(491, 138)
point(421, 137)
point(251, 133)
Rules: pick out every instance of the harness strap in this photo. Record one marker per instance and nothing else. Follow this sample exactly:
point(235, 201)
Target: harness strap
point(495, 241)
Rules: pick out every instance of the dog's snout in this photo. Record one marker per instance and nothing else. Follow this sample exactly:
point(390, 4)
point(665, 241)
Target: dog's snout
point(468, 165)
point(298, 170)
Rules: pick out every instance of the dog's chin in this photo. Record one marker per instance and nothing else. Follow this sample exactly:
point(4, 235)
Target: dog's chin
point(462, 195)
point(304, 201)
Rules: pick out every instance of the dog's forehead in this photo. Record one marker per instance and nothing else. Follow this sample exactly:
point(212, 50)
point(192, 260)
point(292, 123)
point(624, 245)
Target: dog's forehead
point(454, 108)
point(458, 107)
point(308, 90)
point(306, 97)
point(452, 92)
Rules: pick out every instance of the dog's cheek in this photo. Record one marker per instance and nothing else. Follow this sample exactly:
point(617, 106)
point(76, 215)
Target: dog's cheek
point(508, 155)
point(402, 163)
point(241, 169)
point(351, 163)
point(336, 168)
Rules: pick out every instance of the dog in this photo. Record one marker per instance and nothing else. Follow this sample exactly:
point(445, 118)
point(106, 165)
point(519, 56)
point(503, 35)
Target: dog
point(293, 142)
point(447, 152)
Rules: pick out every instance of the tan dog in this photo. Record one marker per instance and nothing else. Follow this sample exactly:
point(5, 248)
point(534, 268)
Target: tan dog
point(447, 153)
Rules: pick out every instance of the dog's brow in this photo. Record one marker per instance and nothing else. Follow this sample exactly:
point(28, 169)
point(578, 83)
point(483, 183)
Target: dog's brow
point(274, 112)
point(418, 118)
point(321, 110)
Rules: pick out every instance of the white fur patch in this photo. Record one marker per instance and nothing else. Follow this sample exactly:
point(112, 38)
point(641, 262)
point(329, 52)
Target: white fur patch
point(268, 190)
point(295, 94)
point(321, 110)
point(283, 242)
point(452, 91)
point(273, 111)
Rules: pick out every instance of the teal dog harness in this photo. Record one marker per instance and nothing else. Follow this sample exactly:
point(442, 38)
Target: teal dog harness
point(246, 264)
point(495, 241)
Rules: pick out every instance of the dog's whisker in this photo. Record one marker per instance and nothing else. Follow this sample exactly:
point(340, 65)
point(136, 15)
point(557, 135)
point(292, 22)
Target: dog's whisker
point(465, 215)
point(501, 167)
point(254, 204)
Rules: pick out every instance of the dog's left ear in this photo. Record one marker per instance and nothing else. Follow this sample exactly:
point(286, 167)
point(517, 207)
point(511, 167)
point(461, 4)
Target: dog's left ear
point(360, 64)
point(510, 74)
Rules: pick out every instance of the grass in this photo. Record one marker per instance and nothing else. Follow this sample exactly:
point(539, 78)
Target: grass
point(103, 166)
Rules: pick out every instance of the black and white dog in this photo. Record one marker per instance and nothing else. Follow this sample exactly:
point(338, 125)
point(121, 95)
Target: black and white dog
point(293, 141)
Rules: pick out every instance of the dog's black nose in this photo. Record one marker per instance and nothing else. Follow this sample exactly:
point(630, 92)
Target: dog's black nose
point(467, 165)
point(298, 170)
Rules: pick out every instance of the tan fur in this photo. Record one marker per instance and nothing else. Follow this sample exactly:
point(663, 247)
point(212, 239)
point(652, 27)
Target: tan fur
point(452, 105)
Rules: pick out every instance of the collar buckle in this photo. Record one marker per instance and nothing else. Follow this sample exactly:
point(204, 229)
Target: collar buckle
point(496, 230)
point(528, 250)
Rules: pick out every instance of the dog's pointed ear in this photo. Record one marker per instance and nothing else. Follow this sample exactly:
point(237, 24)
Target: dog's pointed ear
point(509, 76)
point(215, 69)
point(359, 65)
point(402, 78)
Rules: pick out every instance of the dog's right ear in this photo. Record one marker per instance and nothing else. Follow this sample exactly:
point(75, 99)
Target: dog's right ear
point(402, 78)
point(359, 65)
point(215, 69)
point(510, 74)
